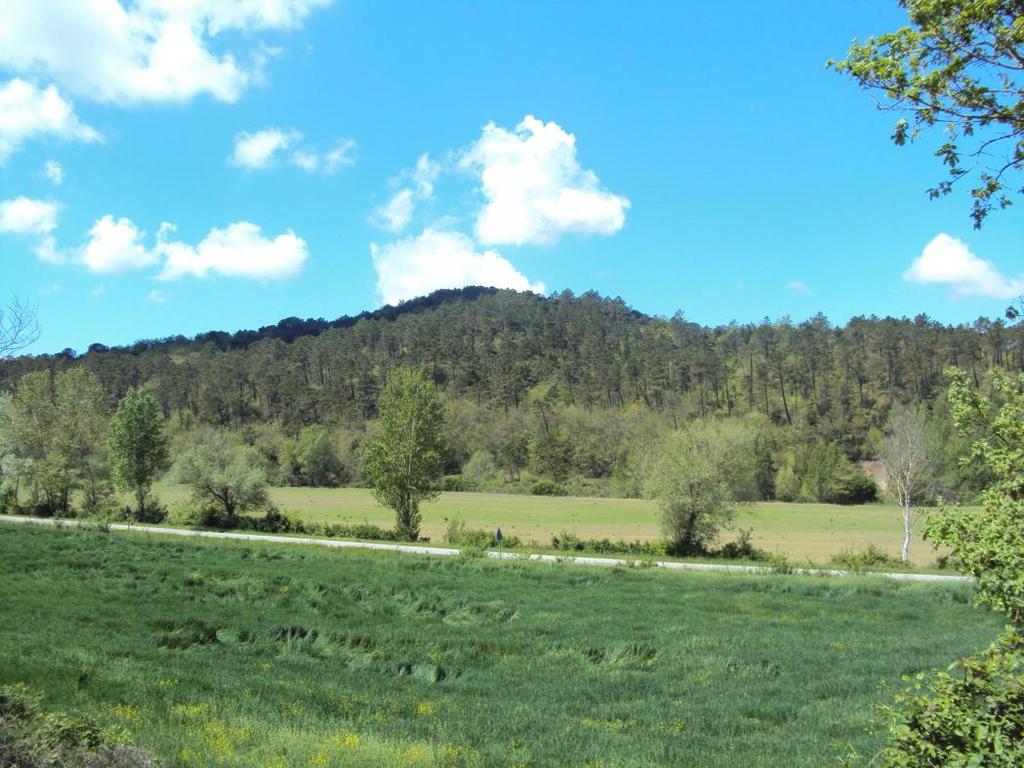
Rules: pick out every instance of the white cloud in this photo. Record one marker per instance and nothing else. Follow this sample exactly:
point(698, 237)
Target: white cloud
point(305, 160)
point(257, 151)
point(35, 219)
point(54, 171)
point(535, 188)
point(948, 261)
point(157, 297)
point(254, 151)
point(27, 111)
point(435, 259)
point(115, 245)
point(238, 250)
point(797, 286)
point(340, 156)
point(146, 50)
point(397, 212)
point(424, 175)
point(25, 216)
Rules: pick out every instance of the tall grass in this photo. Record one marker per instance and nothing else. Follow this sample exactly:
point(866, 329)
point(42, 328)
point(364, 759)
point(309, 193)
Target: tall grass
point(231, 654)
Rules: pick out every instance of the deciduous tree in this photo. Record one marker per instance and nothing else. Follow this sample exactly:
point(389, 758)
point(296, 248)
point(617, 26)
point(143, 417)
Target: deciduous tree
point(909, 465)
point(405, 458)
point(138, 446)
point(223, 472)
point(698, 475)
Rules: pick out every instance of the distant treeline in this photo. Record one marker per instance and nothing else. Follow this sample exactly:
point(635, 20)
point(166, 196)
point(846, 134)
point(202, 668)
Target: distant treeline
point(562, 386)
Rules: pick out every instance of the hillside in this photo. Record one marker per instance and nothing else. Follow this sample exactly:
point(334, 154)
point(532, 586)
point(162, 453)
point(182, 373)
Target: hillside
point(562, 386)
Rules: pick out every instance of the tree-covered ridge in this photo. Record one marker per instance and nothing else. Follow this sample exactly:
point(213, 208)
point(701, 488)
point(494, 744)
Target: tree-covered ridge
point(502, 348)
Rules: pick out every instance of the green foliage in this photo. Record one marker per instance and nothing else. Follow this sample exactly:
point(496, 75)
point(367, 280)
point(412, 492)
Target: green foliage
point(224, 473)
point(852, 486)
point(698, 475)
point(570, 542)
point(974, 715)
point(52, 443)
point(481, 468)
point(955, 66)
point(405, 458)
point(474, 538)
point(138, 446)
point(611, 382)
point(458, 484)
point(865, 559)
point(80, 443)
point(547, 488)
point(31, 737)
point(317, 459)
point(970, 715)
point(821, 472)
point(742, 548)
point(988, 543)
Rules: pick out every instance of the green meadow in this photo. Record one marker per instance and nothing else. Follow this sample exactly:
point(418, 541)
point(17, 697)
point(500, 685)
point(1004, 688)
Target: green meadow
point(803, 532)
point(238, 654)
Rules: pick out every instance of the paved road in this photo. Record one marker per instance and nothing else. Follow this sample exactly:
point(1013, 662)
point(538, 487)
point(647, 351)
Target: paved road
point(449, 552)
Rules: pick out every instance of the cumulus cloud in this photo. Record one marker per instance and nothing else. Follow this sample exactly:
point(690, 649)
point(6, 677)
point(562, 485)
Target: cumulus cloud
point(25, 216)
point(948, 261)
point(54, 171)
point(141, 51)
point(115, 245)
point(238, 250)
point(254, 151)
point(397, 212)
point(535, 188)
point(35, 219)
point(27, 112)
point(440, 259)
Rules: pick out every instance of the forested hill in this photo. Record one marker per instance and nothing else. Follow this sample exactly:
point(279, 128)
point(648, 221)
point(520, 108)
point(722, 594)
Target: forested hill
point(520, 355)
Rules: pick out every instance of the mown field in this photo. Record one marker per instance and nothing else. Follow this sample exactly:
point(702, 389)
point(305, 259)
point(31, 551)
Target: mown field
point(803, 532)
point(230, 654)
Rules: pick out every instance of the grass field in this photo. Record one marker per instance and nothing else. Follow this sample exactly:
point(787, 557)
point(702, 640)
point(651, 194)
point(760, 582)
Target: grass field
point(223, 654)
point(803, 532)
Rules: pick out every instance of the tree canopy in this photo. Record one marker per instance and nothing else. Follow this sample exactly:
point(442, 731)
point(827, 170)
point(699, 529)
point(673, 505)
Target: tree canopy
point(405, 458)
point(956, 67)
point(138, 446)
point(224, 472)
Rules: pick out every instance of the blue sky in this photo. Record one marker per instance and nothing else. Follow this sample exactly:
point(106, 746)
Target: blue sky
point(678, 155)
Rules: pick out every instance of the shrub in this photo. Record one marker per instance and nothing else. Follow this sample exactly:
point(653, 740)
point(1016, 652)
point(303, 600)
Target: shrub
point(31, 738)
point(852, 486)
point(570, 542)
point(863, 559)
point(154, 512)
point(548, 488)
point(741, 549)
point(357, 531)
point(476, 538)
point(973, 715)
